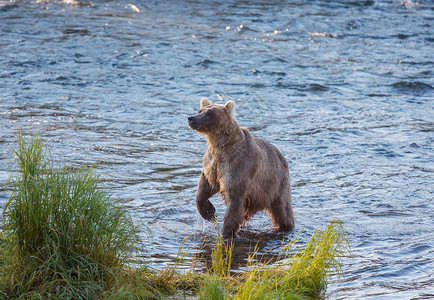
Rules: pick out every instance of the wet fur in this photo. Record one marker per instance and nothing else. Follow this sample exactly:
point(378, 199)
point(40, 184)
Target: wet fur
point(251, 174)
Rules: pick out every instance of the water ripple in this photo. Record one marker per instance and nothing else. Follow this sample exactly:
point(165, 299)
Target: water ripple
point(343, 88)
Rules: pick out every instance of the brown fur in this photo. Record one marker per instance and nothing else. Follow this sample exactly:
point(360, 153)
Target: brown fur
point(250, 174)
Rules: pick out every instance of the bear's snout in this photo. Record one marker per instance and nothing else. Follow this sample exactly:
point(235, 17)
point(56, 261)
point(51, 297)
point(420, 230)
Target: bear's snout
point(202, 122)
point(191, 122)
point(194, 122)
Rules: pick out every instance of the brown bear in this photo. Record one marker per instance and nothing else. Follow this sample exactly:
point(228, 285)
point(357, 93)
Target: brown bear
point(249, 173)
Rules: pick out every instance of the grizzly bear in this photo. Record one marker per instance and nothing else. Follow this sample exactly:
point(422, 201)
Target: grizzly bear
point(250, 174)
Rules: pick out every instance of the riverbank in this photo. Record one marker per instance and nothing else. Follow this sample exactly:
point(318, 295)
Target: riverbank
point(64, 237)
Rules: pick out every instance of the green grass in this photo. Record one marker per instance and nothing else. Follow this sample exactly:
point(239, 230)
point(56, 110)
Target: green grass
point(213, 288)
point(64, 238)
point(300, 275)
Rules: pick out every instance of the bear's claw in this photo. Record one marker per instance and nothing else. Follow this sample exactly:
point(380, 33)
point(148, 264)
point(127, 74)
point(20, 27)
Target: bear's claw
point(209, 215)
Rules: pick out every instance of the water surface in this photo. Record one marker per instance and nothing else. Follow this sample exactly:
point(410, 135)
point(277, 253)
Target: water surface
point(344, 88)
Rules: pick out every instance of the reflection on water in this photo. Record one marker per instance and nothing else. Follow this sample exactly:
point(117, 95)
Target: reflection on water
point(343, 88)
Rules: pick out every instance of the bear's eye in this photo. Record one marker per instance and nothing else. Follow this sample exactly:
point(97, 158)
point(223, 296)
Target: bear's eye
point(203, 111)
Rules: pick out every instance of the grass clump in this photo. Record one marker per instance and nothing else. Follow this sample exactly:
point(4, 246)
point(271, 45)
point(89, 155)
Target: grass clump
point(213, 288)
point(66, 238)
point(300, 275)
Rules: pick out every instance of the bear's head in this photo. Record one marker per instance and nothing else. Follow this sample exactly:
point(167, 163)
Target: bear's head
point(212, 117)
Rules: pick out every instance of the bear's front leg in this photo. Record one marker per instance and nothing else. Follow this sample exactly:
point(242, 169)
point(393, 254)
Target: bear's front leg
point(204, 192)
point(234, 216)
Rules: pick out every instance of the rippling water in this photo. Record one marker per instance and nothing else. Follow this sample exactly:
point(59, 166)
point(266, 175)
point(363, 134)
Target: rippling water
point(344, 88)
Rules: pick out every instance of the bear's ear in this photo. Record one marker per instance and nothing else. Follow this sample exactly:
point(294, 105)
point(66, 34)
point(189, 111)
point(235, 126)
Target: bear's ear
point(205, 102)
point(230, 106)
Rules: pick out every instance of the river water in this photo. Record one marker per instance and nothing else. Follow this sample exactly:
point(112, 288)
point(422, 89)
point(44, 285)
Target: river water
point(345, 89)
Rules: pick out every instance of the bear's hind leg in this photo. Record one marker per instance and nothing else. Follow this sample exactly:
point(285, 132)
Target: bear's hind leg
point(282, 214)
